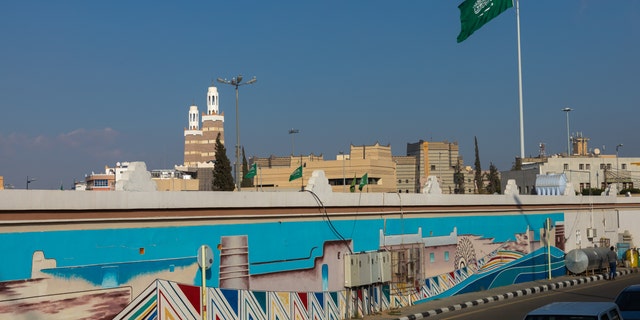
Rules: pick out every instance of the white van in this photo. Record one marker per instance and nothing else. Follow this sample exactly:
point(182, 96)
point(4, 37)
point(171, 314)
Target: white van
point(576, 311)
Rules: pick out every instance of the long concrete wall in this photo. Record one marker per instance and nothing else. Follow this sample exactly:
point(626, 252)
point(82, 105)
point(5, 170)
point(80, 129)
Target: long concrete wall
point(63, 242)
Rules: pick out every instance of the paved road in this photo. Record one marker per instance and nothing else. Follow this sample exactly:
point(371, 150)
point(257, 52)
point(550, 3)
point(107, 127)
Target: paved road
point(513, 302)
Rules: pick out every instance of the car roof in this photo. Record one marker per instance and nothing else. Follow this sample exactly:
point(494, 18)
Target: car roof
point(573, 308)
point(633, 287)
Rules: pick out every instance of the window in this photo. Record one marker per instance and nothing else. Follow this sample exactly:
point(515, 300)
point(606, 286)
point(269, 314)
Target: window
point(602, 166)
point(399, 180)
point(608, 166)
point(432, 257)
point(446, 256)
point(566, 166)
point(587, 166)
point(433, 167)
point(581, 166)
point(624, 166)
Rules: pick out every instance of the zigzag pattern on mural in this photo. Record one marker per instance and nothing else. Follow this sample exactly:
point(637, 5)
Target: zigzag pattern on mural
point(169, 300)
point(164, 300)
point(143, 307)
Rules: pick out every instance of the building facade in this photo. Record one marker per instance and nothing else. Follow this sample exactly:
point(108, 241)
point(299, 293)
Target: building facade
point(436, 159)
point(584, 169)
point(199, 142)
point(347, 169)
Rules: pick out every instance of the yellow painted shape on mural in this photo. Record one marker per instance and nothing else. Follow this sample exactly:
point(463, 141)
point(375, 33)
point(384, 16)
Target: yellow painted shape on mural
point(168, 315)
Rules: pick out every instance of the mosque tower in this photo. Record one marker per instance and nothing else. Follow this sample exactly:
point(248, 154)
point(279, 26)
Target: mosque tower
point(200, 144)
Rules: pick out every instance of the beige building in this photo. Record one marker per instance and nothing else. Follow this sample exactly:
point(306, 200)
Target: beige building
point(172, 180)
point(199, 144)
point(585, 169)
point(200, 141)
point(376, 161)
point(436, 159)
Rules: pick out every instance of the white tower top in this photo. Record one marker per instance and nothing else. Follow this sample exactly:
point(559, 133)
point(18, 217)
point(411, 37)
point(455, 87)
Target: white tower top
point(194, 118)
point(212, 100)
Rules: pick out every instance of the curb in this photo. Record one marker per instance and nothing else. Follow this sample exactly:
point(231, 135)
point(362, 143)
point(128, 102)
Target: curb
point(509, 295)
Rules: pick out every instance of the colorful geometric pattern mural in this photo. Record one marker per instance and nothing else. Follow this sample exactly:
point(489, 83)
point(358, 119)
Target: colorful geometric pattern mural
point(169, 300)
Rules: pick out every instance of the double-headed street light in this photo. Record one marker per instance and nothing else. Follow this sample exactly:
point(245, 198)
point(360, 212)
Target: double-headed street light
point(236, 82)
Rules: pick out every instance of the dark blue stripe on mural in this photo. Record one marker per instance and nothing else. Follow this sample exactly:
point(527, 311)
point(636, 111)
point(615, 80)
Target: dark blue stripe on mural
point(261, 298)
point(231, 296)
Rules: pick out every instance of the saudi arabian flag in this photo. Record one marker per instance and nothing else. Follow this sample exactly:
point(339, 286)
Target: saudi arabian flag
point(252, 172)
point(297, 174)
point(363, 181)
point(352, 188)
point(475, 13)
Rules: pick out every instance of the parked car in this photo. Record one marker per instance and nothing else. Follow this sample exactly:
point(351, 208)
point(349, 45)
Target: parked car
point(576, 311)
point(628, 300)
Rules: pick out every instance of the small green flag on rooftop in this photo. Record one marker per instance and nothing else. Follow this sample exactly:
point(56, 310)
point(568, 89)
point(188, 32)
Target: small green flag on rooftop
point(475, 13)
point(297, 174)
point(363, 181)
point(252, 172)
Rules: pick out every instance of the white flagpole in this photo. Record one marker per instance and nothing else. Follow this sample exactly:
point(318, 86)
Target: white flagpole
point(520, 83)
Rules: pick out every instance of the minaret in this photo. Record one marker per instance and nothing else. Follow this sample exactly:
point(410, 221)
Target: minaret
point(194, 119)
point(213, 120)
point(192, 138)
point(212, 100)
point(200, 141)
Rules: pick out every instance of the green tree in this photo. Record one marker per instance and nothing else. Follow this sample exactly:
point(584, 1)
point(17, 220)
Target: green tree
point(246, 182)
point(494, 180)
point(222, 178)
point(478, 170)
point(458, 178)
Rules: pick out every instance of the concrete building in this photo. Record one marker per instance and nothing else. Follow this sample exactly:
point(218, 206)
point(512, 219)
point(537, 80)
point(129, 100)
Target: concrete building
point(584, 169)
point(374, 160)
point(436, 159)
point(174, 180)
point(200, 141)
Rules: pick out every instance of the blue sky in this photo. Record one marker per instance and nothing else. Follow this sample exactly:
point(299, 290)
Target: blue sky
point(84, 84)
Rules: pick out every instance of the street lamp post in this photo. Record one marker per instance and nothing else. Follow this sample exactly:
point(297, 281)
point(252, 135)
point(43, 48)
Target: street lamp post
point(344, 179)
point(292, 132)
point(29, 180)
point(567, 110)
point(617, 168)
point(237, 82)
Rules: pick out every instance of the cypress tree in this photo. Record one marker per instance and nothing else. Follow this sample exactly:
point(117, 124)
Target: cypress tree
point(222, 178)
point(246, 182)
point(494, 180)
point(478, 170)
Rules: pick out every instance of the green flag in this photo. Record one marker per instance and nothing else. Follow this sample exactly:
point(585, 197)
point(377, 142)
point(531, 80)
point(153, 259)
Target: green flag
point(363, 181)
point(296, 174)
point(475, 13)
point(252, 172)
point(352, 188)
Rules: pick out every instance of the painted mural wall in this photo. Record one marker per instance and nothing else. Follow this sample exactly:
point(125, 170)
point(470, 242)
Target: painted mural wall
point(431, 256)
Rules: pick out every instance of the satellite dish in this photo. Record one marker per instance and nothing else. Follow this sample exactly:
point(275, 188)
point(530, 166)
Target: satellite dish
point(596, 151)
